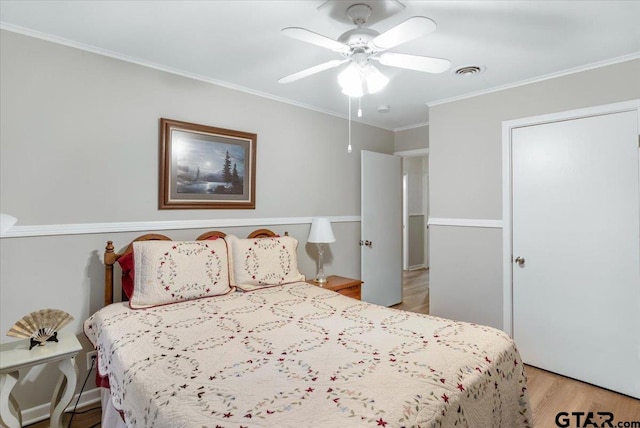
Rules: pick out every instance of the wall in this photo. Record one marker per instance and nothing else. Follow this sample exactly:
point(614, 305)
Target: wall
point(416, 167)
point(465, 181)
point(79, 145)
point(412, 139)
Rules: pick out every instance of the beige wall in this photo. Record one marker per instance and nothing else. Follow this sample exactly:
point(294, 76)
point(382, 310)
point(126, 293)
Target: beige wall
point(416, 167)
point(465, 180)
point(77, 125)
point(79, 144)
point(412, 139)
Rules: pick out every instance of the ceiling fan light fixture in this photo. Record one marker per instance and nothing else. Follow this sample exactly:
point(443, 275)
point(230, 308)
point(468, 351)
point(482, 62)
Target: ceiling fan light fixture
point(357, 80)
point(350, 80)
point(361, 46)
point(374, 79)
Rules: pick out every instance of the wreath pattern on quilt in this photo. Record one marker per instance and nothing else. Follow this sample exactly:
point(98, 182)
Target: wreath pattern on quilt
point(167, 271)
point(274, 338)
point(267, 275)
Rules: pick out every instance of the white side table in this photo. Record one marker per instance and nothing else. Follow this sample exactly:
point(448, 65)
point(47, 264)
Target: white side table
point(16, 355)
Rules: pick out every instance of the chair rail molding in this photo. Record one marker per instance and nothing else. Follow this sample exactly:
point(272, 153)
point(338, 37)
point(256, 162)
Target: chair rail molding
point(465, 222)
point(89, 228)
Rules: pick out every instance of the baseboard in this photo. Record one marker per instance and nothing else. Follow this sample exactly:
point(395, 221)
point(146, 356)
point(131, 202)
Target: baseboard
point(40, 413)
point(416, 267)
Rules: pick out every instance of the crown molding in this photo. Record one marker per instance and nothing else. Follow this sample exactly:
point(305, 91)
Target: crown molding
point(104, 52)
point(133, 60)
point(600, 64)
point(406, 128)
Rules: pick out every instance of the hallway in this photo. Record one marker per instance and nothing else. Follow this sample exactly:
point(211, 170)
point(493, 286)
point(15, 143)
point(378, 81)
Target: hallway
point(415, 291)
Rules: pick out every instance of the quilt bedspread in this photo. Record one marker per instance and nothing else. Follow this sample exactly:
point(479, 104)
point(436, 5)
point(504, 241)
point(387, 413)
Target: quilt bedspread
point(298, 355)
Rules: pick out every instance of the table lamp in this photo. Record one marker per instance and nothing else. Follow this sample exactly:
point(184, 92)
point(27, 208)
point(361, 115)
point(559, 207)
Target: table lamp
point(321, 234)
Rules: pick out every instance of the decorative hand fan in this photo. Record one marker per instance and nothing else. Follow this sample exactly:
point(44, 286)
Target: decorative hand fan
point(40, 326)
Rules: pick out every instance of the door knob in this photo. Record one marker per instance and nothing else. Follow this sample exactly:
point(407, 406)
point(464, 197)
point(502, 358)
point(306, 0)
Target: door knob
point(520, 261)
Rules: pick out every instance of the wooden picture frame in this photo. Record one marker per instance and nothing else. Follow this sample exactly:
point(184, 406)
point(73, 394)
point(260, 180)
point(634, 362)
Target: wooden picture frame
point(203, 167)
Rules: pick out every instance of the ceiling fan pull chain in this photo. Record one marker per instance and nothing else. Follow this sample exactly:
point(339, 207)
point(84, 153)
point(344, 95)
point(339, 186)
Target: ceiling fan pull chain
point(349, 146)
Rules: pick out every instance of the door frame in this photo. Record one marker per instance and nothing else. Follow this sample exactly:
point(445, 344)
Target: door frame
point(405, 213)
point(507, 174)
point(405, 221)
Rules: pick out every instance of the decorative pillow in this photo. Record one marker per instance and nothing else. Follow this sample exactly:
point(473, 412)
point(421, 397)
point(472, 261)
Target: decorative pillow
point(263, 262)
point(128, 274)
point(173, 271)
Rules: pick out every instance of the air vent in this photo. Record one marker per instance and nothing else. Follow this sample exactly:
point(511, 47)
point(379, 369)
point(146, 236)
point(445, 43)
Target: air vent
point(469, 70)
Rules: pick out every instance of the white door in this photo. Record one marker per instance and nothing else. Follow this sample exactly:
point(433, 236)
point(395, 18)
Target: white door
point(576, 248)
point(381, 228)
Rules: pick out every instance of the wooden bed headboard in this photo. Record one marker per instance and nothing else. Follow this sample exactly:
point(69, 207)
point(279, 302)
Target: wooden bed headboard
point(111, 257)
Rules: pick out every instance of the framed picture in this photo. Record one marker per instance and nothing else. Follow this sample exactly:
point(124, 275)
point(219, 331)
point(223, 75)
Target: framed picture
point(206, 167)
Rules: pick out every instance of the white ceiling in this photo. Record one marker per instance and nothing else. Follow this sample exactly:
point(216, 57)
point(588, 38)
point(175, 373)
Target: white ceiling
point(239, 44)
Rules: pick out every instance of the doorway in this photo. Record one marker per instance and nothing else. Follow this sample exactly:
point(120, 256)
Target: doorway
point(415, 209)
point(415, 231)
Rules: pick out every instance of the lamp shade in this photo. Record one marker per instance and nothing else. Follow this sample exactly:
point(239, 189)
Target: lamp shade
point(350, 80)
point(374, 79)
point(357, 80)
point(6, 222)
point(321, 231)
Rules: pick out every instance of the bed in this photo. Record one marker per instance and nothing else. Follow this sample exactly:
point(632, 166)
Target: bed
point(282, 352)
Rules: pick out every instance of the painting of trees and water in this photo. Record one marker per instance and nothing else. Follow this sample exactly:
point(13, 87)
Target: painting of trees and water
point(206, 167)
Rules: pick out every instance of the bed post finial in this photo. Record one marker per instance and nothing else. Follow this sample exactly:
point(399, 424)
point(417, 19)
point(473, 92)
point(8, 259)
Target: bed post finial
point(109, 260)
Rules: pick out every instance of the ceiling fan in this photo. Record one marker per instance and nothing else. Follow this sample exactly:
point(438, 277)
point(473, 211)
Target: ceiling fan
point(360, 47)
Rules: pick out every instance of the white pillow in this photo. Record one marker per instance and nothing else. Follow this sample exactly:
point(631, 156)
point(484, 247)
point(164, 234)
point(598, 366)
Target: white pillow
point(263, 262)
point(173, 271)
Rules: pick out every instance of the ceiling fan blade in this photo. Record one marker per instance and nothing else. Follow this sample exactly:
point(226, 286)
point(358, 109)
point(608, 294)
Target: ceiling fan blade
point(410, 29)
point(314, 38)
point(312, 70)
point(415, 62)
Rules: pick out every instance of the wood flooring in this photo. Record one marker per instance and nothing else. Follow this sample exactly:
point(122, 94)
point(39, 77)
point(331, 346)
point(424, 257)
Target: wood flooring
point(84, 418)
point(415, 291)
point(549, 393)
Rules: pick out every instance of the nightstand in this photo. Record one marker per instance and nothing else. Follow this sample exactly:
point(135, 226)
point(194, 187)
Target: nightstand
point(16, 355)
point(346, 286)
